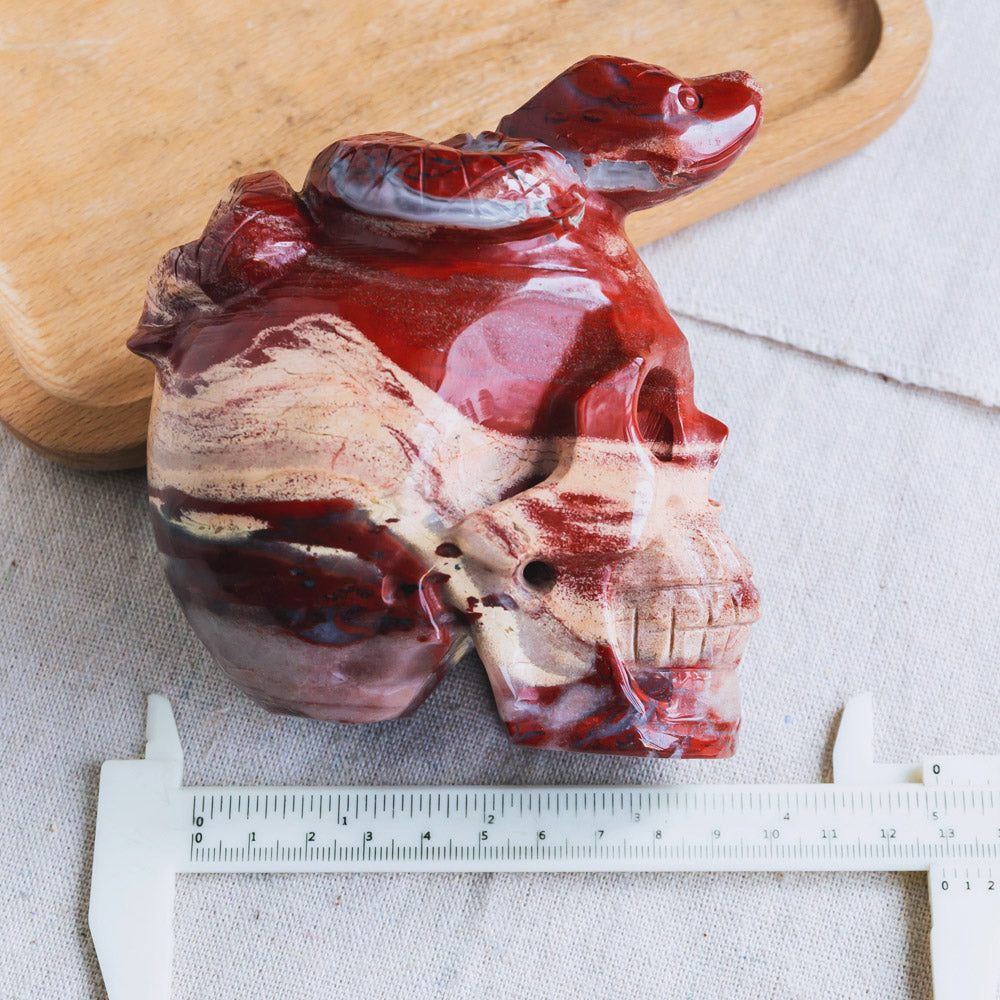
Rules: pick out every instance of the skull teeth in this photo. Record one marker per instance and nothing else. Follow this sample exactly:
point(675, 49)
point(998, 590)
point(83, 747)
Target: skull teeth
point(707, 606)
point(682, 626)
point(689, 646)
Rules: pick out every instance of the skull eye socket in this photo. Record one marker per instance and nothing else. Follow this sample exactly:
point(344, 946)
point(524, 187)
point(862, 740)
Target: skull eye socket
point(538, 575)
point(657, 400)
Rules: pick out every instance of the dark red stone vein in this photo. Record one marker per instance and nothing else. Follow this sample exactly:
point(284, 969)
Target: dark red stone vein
point(284, 587)
point(672, 721)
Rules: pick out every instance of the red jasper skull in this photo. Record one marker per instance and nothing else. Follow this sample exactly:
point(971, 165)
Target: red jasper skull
point(435, 398)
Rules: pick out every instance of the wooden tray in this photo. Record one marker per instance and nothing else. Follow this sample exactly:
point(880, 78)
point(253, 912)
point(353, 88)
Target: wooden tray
point(124, 122)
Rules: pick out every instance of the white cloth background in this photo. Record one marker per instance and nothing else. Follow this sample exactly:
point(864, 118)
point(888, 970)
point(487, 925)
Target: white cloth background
point(868, 508)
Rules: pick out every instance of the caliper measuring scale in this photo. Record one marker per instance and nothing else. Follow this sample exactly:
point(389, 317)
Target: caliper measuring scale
point(941, 816)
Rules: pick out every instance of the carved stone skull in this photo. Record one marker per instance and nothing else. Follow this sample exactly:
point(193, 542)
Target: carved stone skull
point(435, 398)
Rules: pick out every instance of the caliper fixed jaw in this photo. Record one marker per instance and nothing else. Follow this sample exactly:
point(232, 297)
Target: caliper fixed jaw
point(132, 886)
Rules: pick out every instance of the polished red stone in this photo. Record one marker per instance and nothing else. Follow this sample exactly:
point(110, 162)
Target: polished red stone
point(485, 281)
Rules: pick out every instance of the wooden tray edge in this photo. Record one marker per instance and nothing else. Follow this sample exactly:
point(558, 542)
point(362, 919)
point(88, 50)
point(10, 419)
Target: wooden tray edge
point(98, 438)
point(69, 432)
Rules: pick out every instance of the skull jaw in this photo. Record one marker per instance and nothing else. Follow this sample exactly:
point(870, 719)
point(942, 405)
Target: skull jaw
point(682, 712)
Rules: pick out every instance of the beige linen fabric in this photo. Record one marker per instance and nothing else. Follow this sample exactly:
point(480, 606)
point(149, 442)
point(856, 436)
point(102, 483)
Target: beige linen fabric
point(867, 507)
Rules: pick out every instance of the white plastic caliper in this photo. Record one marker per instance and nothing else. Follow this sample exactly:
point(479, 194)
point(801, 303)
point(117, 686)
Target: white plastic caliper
point(942, 817)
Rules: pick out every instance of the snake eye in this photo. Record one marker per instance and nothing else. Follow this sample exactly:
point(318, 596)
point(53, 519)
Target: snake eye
point(689, 98)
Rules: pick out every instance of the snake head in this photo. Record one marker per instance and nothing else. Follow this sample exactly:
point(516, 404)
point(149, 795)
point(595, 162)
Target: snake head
point(636, 133)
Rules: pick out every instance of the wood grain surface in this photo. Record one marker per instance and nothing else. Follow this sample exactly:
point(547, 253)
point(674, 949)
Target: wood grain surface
point(124, 122)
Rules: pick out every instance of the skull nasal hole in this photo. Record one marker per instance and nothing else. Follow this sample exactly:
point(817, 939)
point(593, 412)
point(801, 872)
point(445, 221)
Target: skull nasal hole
point(539, 575)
